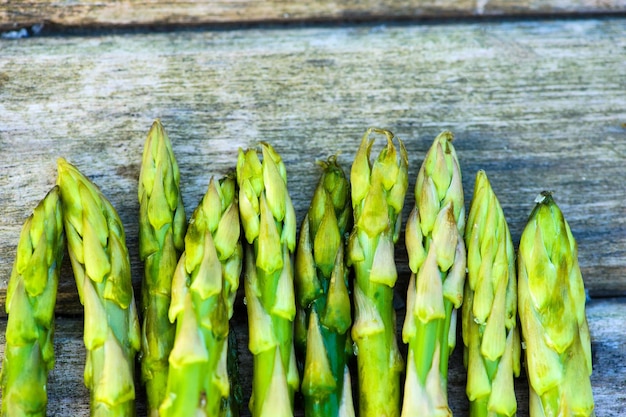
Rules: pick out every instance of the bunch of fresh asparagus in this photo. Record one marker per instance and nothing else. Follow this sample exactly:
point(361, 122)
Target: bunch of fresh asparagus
point(307, 318)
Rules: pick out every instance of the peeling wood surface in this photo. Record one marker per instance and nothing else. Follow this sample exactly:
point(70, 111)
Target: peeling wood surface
point(111, 13)
point(540, 105)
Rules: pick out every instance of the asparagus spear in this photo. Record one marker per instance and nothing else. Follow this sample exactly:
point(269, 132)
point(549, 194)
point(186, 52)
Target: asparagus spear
point(269, 225)
point(203, 291)
point(97, 249)
point(434, 240)
point(322, 296)
point(31, 297)
point(162, 226)
point(378, 192)
point(552, 314)
point(490, 334)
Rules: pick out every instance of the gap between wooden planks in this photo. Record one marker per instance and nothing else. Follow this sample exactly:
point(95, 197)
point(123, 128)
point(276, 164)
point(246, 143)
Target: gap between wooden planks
point(18, 14)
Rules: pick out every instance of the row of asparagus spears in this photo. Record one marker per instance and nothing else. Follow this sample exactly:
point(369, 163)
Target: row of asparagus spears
point(313, 302)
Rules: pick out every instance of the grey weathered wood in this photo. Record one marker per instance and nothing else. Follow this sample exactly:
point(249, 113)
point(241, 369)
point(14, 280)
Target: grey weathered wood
point(607, 323)
point(17, 14)
point(538, 105)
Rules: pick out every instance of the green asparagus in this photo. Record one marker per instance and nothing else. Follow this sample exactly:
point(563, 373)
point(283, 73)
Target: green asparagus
point(434, 241)
point(203, 291)
point(31, 297)
point(378, 192)
point(489, 315)
point(323, 299)
point(269, 226)
point(551, 298)
point(99, 257)
point(162, 226)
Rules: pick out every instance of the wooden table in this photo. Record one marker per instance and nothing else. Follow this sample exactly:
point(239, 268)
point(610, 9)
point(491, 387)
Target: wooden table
point(535, 94)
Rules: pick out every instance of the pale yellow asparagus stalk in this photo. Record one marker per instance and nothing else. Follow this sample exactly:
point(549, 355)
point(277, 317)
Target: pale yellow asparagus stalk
point(31, 297)
point(97, 249)
point(490, 334)
point(162, 225)
point(269, 224)
point(378, 191)
point(434, 241)
point(551, 299)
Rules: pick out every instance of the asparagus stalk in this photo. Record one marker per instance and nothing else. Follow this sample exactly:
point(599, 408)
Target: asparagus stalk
point(551, 306)
point(489, 315)
point(322, 297)
point(378, 192)
point(203, 291)
point(434, 240)
point(31, 297)
point(97, 249)
point(162, 225)
point(269, 225)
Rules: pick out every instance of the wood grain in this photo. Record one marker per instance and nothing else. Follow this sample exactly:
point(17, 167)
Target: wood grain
point(538, 105)
point(16, 14)
point(607, 323)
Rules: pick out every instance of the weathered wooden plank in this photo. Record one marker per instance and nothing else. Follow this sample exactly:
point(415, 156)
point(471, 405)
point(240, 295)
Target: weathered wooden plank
point(607, 323)
point(17, 14)
point(539, 105)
